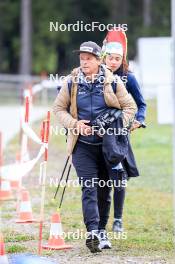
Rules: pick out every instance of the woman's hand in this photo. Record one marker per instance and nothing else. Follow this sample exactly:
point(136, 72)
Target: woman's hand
point(136, 124)
point(82, 128)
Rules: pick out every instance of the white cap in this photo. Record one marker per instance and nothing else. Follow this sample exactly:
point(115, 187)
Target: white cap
point(114, 47)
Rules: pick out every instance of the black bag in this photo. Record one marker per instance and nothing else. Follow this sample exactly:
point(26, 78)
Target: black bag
point(115, 145)
point(129, 163)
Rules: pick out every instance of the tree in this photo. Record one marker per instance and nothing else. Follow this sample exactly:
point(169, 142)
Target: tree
point(26, 37)
point(119, 11)
point(147, 13)
point(52, 51)
point(9, 36)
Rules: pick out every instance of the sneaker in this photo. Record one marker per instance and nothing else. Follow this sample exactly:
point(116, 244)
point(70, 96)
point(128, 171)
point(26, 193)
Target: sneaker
point(117, 225)
point(93, 241)
point(104, 241)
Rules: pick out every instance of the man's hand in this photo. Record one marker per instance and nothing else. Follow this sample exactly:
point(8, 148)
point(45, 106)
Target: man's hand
point(136, 124)
point(82, 128)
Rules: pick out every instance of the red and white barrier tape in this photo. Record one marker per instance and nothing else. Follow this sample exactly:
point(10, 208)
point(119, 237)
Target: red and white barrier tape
point(30, 133)
point(18, 170)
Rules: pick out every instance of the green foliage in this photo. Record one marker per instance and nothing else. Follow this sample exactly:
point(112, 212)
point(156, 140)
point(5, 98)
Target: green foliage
point(9, 35)
point(52, 51)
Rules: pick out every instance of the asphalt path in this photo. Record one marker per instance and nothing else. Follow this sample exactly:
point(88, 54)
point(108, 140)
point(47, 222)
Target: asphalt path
point(10, 120)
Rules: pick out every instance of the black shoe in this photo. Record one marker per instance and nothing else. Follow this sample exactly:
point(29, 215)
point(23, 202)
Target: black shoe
point(93, 242)
point(117, 225)
point(104, 241)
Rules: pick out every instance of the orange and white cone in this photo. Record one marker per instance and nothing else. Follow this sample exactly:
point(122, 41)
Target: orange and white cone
point(5, 190)
point(25, 209)
point(56, 241)
point(3, 256)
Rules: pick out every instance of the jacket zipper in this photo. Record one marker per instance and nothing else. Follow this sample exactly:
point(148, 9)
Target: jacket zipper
point(91, 105)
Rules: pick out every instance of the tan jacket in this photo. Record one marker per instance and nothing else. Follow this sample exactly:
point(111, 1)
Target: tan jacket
point(121, 100)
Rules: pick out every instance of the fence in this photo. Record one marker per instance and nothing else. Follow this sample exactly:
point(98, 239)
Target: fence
point(12, 89)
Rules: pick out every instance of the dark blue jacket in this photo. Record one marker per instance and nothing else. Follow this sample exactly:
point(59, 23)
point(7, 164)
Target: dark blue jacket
point(91, 102)
point(133, 88)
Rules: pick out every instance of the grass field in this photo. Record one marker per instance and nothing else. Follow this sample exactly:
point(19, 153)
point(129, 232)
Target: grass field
point(148, 214)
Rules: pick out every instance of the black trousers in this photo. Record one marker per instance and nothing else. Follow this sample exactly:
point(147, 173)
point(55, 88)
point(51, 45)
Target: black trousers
point(94, 178)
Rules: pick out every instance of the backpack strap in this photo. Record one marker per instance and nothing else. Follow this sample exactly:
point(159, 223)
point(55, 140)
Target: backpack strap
point(69, 85)
point(114, 86)
point(73, 98)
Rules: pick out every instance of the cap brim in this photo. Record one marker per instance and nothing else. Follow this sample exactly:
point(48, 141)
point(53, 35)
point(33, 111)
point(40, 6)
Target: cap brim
point(81, 51)
point(76, 51)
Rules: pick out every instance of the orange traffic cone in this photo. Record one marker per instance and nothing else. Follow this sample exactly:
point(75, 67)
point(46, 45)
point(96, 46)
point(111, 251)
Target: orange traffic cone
point(25, 209)
point(56, 240)
point(3, 257)
point(5, 190)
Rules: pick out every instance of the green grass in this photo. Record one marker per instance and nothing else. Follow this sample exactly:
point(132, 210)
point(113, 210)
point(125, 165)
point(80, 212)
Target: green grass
point(12, 236)
point(16, 248)
point(153, 150)
point(148, 214)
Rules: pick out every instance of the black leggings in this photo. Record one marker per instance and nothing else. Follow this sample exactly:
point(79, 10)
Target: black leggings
point(119, 198)
point(119, 183)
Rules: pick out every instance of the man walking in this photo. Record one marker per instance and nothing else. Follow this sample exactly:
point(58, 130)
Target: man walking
point(84, 95)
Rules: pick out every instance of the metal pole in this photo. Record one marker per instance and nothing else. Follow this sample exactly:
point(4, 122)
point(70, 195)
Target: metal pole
point(173, 90)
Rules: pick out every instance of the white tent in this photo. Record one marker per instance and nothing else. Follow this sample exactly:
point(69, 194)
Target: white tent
point(155, 72)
